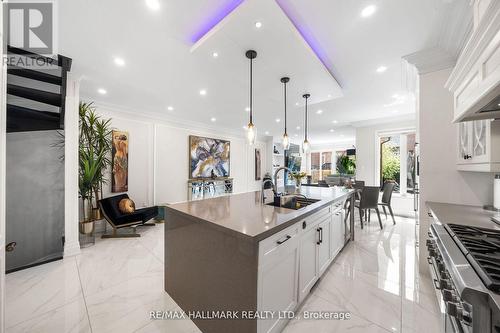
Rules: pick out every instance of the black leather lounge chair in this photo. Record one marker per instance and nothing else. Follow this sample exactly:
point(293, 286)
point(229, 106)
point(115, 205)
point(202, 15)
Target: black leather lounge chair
point(117, 219)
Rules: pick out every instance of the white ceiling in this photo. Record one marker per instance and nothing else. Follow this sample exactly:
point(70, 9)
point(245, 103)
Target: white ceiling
point(164, 67)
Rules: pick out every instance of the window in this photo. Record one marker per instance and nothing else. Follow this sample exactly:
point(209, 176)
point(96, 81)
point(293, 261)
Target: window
point(321, 165)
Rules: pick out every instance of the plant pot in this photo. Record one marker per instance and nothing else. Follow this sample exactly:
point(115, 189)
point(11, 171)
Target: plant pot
point(86, 228)
point(96, 214)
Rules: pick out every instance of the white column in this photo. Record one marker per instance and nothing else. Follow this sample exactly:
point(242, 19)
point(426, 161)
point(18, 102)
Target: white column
point(72, 243)
point(403, 153)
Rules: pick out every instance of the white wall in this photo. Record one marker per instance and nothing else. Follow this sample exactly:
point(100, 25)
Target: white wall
point(159, 158)
point(367, 149)
point(439, 179)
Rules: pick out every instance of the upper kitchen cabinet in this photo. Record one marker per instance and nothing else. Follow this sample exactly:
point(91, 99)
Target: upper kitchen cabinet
point(478, 143)
point(475, 80)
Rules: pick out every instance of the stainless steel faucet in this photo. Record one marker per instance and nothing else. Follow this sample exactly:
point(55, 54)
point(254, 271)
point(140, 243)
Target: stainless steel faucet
point(262, 196)
point(275, 188)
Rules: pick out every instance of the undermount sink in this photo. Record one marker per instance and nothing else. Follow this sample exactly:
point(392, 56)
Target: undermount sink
point(293, 202)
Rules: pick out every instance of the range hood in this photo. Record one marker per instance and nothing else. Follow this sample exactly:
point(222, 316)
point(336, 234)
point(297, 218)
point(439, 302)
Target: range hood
point(486, 107)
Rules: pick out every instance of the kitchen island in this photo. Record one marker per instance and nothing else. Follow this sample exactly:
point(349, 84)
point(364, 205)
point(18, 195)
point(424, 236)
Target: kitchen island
point(236, 256)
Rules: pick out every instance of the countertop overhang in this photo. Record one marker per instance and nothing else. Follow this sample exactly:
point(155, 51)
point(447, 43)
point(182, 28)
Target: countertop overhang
point(244, 215)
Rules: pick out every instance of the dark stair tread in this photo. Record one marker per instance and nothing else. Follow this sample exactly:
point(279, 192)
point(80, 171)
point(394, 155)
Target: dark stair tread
point(35, 95)
point(34, 75)
point(61, 61)
point(21, 119)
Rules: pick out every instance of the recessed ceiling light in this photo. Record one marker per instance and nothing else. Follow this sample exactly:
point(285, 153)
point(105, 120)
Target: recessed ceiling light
point(153, 4)
point(247, 109)
point(297, 104)
point(319, 111)
point(213, 119)
point(335, 121)
point(170, 108)
point(298, 127)
point(332, 130)
point(329, 95)
point(267, 133)
point(381, 69)
point(119, 62)
point(203, 92)
point(215, 55)
point(258, 24)
point(278, 120)
point(102, 91)
point(368, 11)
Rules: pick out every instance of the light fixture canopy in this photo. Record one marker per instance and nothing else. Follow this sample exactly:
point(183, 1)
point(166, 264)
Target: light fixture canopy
point(251, 130)
point(286, 139)
point(306, 146)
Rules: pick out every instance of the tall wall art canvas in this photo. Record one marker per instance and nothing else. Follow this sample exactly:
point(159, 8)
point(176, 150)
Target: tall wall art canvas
point(119, 154)
point(208, 157)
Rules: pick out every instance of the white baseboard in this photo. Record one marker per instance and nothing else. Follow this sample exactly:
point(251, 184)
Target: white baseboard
point(71, 249)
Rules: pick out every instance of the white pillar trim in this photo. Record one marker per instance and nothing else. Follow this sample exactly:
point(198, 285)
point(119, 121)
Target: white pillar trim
point(71, 236)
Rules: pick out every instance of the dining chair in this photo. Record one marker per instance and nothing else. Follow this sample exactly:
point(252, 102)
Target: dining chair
point(368, 201)
point(357, 185)
point(386, 199)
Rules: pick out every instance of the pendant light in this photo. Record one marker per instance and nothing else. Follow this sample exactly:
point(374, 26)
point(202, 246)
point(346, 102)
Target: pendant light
point(306, 145)
point(286, 139)
point(251, 130)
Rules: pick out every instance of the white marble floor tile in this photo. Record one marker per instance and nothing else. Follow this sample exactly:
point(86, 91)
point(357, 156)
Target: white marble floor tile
point(111, 262)
point(170, 326)
point(69, 318)
point(126, 307)
point(368, 296)
point(37, 290)
point(315, 303)
point(153, 240)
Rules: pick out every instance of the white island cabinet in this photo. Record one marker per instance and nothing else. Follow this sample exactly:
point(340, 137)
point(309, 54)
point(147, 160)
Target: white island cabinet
point(292, 261)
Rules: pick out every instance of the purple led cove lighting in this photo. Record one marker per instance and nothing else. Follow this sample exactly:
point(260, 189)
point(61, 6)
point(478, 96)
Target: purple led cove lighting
point(214, 19)
point(307, 35)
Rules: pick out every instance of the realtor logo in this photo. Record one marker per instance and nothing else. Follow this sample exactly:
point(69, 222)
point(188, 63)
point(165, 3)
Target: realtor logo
point(29, 26)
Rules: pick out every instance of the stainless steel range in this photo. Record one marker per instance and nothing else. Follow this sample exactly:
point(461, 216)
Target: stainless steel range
point(465, 266)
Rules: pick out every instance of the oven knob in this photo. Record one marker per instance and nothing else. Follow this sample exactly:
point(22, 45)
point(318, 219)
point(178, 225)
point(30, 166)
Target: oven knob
point(454, 310)
point(449, 296)
point(432, 252)
point(441, 267)
point(444, 284)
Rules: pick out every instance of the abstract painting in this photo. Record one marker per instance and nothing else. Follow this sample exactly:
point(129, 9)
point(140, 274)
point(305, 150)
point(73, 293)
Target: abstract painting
point(208, 158)
point(119, 155)
point(257, 164)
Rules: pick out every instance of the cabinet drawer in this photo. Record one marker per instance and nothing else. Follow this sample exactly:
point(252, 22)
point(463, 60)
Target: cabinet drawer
point(314, 219)
point(279, 243)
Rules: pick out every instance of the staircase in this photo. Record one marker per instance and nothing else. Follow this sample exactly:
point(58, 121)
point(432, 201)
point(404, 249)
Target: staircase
point(36, 97)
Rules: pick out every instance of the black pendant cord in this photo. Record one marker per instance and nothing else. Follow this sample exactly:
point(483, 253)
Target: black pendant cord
point(285, 80)
point(285, 109)
point(251, 91)
point(306, 96)
point(251, 54)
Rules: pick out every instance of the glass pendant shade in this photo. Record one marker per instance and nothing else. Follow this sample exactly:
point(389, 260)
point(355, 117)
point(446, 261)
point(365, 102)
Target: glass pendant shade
point(286, 142)
point(306, 146)
point(251, 134)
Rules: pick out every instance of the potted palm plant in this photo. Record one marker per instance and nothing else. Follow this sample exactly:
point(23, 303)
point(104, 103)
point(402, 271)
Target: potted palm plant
point(94, 160)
